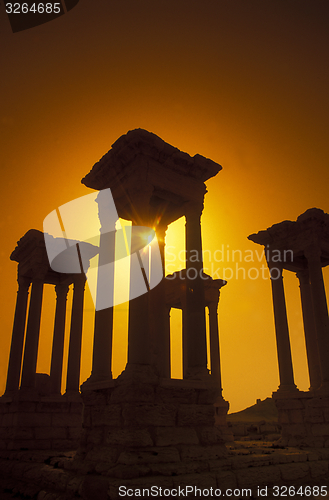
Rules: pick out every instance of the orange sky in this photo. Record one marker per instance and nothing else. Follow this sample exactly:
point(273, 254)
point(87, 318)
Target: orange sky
point(244, 83)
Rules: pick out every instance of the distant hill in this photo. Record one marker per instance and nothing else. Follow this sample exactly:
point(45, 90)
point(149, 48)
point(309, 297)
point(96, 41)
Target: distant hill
point(262, 410)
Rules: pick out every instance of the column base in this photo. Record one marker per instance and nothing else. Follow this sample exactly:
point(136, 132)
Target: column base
point(284, 391)
point(198, 373)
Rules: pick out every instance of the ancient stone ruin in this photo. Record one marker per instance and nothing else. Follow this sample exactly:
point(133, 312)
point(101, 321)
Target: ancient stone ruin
point(301, 247)
point(145, 429)
point(144, 420)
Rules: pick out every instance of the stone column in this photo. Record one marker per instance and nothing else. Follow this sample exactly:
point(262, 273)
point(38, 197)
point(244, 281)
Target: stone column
point(32, 336)
point(103, 332)
point(160, 334)
point(214, 343)
point(17, 339)
point(139, 351)
point(313, 255)
point(314, 366)
point(74, 358)
point(138, 331)
point(139, 341)
point(184, 333)
point(281, 329)
point(58, 339)
point(195, 301)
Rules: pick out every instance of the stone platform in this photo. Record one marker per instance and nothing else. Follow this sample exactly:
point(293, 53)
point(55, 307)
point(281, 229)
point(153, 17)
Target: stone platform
point(140, 422)
point(304, 418)
point(30, 422)
point(47, 475)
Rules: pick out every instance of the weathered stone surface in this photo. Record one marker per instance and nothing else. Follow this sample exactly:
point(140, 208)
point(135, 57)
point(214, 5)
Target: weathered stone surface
point(106, 415)
point(283, 417)
point(149, 414)
point(296, 416)
point(289, 404)
point(73, 485)
point(195, 452)
point(292, 472)
point(95, 436)
point(7, 420)
point(242, 462)
point(210, 435)
point(94, 487)
point(52, 407)
point(66, 420)
point(134, 392)
point(74, 433)
point(314, 415)
point(148, 456)
point(196, 415)
point(165, 436)
point(32, 444)
point(50, 433)
point(128, 471)
point(226, 479)
point(108, 454)
point(55, 479)
point(33, 419)
point(176, 395)
point(76, 407)
point(318, 468)
point(255, 476)
point(129, 437)
point(198, 482)
point(63, 444)
point(209, 396)
point(179, 468)
point(94, 398)
point(86, 416)
point(320, 429)
point(21, 433)
point(318, 403)
point(295, 430)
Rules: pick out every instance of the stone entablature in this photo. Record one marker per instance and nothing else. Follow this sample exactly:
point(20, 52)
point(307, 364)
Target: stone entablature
point(141, 164)
point(294, 238)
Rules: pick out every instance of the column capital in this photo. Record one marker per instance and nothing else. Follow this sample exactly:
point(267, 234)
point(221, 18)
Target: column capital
point(276, 271)
point(312, 253)
point(61, 290)
point(23, 282)
point(194, 209)
point(79, 281)
point(303, 276)
point(161, 230)
point(213, 306)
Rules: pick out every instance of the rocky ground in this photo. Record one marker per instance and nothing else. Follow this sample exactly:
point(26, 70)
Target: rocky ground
point(249, 464)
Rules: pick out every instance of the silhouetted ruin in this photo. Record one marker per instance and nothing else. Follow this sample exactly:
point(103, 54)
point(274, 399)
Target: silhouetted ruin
point(301, 247)
point(146, 429)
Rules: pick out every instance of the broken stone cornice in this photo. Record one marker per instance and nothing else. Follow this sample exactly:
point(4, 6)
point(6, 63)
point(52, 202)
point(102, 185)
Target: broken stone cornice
point(314, 223)
point(141, 143)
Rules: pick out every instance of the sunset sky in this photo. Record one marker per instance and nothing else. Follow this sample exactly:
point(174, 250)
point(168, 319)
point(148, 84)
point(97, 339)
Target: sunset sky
point(243, 82)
